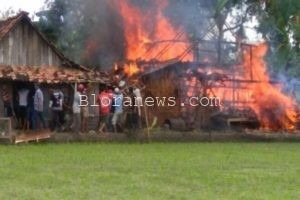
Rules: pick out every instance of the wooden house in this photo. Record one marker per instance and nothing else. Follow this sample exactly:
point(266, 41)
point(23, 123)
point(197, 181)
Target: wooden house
point(27, 57)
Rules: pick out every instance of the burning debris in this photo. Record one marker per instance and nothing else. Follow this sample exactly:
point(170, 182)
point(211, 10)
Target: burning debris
point(275, 110)
point(245, 88)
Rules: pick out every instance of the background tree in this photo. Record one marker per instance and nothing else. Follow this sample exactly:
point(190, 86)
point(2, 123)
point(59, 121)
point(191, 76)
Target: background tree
point(85, 31)
point(7, 13)
point(279, 22)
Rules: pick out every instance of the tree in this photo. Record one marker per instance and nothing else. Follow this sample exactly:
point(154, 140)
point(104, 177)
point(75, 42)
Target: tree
point(8, 13)
point(279, 22)
point(85, 31)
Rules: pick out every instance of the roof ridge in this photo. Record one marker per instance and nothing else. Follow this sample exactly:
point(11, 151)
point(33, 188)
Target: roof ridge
point(20, 14)
point(7, 24)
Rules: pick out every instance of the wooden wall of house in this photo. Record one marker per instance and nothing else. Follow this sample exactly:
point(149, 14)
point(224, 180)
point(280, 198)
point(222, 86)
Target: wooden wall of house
point(24, 46)
point(163, 84)
point(10, 90)
point(169, 82)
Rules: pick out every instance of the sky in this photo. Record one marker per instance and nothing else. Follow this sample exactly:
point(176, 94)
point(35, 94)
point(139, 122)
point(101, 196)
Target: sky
point(31, 6)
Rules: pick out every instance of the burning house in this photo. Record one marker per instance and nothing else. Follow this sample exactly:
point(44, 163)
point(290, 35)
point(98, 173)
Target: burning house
point(27, 57)
point(248, 97)
point(170, 63)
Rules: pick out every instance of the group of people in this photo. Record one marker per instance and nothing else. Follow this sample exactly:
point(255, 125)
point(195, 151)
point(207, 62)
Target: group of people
point(113, 112)
point(110, 109)
point(113, 115)
point(29, 108)
point(110, 103)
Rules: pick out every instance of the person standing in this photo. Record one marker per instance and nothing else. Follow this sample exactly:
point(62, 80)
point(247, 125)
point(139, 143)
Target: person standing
point(30, 109)
point(76, 109)
point(55, 105)
point(38, 107)
point(23, 103)
point(67, 111)
point(104, 101)
point(118, 108)
point(61, 112)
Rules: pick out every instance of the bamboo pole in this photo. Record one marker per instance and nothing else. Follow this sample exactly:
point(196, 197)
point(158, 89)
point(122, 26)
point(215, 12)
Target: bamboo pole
point(147, 123)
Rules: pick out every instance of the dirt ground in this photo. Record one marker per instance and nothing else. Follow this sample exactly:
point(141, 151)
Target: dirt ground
point(161, 135)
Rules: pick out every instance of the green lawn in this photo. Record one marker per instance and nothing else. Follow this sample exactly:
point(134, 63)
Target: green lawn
point(151, 171)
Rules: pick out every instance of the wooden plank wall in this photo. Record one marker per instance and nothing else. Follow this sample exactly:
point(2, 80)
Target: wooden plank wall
point(162, 84)
point(23, 46)
point(9, 88)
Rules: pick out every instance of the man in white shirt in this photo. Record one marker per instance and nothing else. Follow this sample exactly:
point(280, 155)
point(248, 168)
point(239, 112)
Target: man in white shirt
point(23, 97)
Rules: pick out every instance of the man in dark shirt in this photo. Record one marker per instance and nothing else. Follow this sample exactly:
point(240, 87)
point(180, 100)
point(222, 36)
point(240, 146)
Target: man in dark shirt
point(56, 107)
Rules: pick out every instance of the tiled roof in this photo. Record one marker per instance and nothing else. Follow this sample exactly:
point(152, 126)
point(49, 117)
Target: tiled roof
point(51, 74)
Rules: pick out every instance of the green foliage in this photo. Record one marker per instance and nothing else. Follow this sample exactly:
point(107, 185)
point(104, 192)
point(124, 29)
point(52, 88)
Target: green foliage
point(278, 26)
point(52, 22)
point(85, 31)
point(279, 22)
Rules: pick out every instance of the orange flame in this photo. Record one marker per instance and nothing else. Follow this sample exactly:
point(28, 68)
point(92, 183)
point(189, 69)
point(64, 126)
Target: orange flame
point(274, 109)
point(131, 69)
point(149, 35)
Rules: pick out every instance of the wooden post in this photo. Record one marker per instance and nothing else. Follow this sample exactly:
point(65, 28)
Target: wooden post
point(233, 89)
point(251, 63)
point(147, 122)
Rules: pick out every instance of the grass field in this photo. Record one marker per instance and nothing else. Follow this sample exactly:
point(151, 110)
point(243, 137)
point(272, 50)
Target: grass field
point(151, 171)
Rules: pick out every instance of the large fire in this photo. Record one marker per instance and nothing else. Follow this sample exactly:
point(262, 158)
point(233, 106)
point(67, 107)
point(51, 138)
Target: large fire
point(275, 110)
point(253, 88)
point(149, 35)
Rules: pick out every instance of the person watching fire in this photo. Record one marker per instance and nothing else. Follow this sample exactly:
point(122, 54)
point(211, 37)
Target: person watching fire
point(118, 108)
point(104, 100)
